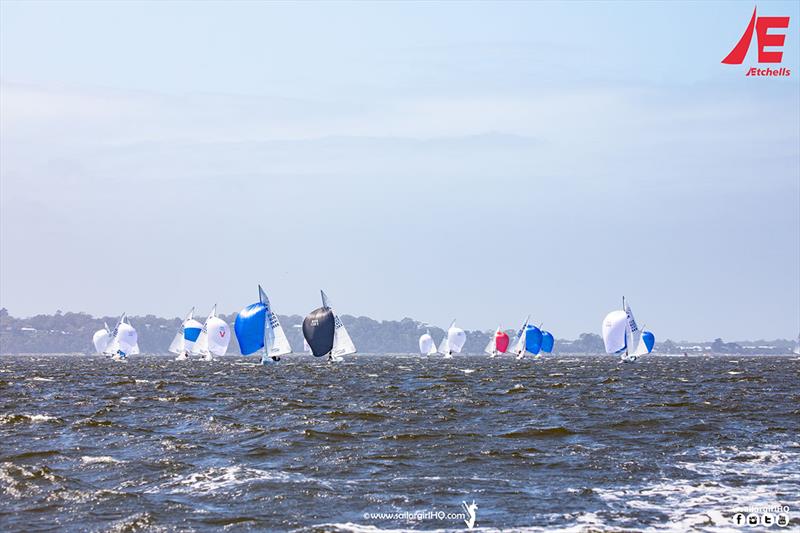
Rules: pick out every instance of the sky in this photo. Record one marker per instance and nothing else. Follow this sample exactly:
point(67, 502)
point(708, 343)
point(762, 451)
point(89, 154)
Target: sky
point(478, 161)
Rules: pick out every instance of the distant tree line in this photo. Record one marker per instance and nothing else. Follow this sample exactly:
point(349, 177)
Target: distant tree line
point(72, 333)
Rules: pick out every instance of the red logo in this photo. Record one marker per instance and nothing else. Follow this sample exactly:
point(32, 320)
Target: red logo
point(761, 25)
point(222, 333)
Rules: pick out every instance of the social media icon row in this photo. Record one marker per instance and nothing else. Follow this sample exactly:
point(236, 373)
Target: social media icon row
point(766, 519)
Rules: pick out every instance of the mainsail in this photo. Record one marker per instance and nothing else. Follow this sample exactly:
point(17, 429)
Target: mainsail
point(519, 339)
point(633, 333)
point(276, 342)
point(342, 343)
point(113, 345)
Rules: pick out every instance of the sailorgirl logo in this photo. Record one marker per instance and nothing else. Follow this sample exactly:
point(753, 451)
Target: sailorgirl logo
point(764, 39)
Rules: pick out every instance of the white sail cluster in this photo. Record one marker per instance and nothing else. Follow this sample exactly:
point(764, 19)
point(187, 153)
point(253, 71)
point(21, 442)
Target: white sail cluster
point(204, 340)
point(452, 342)
point(120, 342)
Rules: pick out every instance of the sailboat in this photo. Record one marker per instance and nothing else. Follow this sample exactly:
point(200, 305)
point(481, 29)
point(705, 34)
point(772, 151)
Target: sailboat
point(325, 334)
point(186, 337)
point(498, 343)
point(623, 337)
point(214, 337)
point(257, 326)
point(124, 340)
point(426, 344)
point(453, 341)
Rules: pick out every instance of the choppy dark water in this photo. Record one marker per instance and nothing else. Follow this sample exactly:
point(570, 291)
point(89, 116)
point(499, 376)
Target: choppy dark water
point(576, 443)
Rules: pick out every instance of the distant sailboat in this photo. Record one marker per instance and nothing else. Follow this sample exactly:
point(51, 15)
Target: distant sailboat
point(426, 344)
point(186, 337)
point(453, 341)
point(325, 334)
point(498, 343)
point(125, 340)
point(257, 326)
point(622, 336)
point(214, 337)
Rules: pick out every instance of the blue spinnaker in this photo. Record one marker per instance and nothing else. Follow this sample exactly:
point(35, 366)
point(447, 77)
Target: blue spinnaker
point(191, 334)
point(547, 342)
point(649, 340)
point(533, 339)
point(249, 328)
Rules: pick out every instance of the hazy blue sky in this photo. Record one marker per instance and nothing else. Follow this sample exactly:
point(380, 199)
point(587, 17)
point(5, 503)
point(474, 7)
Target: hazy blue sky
point(480, 160)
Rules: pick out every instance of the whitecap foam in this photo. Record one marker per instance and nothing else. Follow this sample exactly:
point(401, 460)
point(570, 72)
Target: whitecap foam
point(91, 459)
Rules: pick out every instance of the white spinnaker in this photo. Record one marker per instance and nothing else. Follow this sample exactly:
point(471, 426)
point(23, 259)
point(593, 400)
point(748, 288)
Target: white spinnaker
point(126, 339)
point(634, 334)
point(615, 329)
point(135, 348)
point(456, 337)
point(177, 345)
point(444, 346)
point(342, 343)
point(491, 348)
point(519, 339)
point(426, 344)
point(100, 339)
point(218, 336)
point(275, 341)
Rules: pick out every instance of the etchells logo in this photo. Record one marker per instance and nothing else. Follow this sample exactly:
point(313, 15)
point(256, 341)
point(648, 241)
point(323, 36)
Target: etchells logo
point(764, 39)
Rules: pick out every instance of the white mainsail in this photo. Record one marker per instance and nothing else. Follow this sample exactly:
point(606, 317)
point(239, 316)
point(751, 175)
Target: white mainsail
point(342, 343)
point(113, 345)
point(633, 333)
point(519, 340)
point(426, 344)
point(275, 341)
point(491, 347)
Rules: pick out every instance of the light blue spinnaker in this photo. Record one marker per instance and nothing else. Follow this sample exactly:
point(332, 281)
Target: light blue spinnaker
point(533, 339)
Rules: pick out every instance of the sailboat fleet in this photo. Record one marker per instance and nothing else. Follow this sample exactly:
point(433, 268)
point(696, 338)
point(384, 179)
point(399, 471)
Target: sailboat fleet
point(258, 331)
